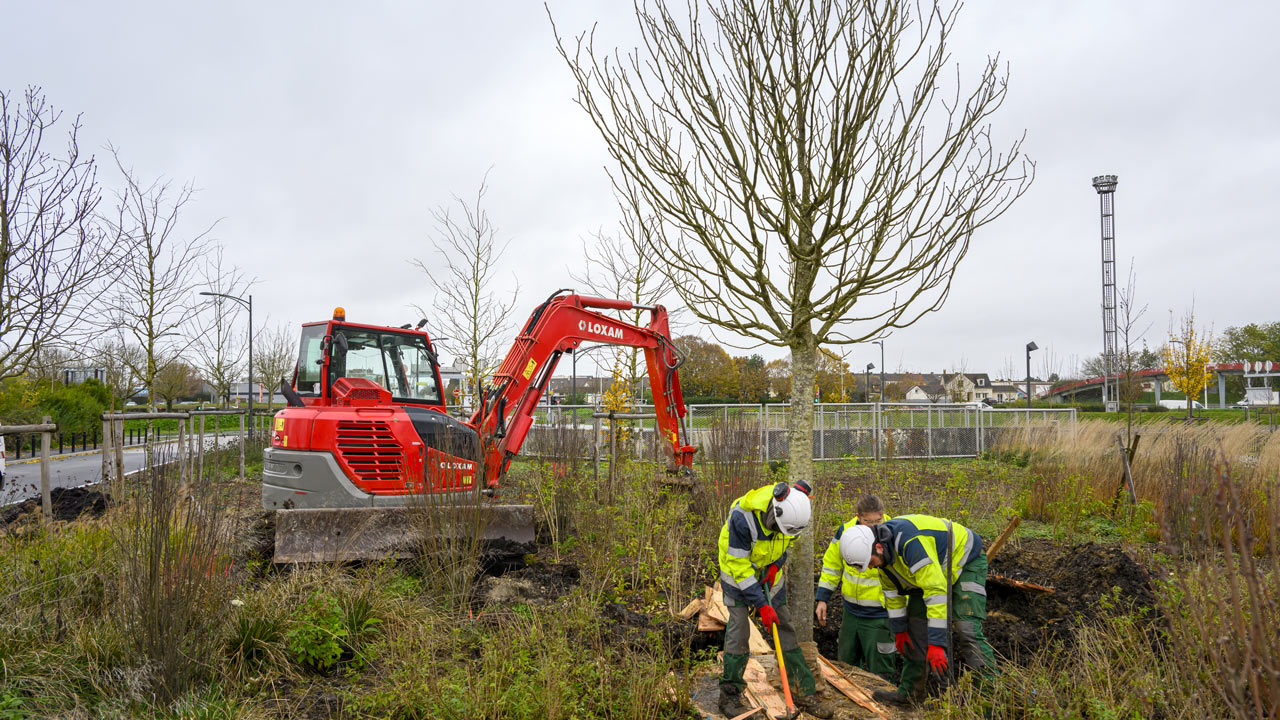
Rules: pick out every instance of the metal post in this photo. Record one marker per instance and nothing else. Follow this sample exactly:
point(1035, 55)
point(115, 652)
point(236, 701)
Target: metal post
point(45, 441)
point(183, 455)
point(595, 452)
point(241, 445)
point(822, 433)
point(106, 450)
point(928, 413)
point(200, 453)
point(117, 444)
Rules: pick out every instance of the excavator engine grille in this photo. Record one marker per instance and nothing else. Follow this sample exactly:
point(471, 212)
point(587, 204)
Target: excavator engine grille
point(370, 451)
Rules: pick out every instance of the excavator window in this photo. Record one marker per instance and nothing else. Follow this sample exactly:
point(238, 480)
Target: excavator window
point(310, 361)
point(398, 362)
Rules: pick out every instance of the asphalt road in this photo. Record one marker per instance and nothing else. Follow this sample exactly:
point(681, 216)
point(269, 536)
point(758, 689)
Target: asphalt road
point(22, 481)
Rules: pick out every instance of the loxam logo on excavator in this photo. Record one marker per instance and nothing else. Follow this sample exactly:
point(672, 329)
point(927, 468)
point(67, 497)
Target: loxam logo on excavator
point(600, 329)
point(455, 466)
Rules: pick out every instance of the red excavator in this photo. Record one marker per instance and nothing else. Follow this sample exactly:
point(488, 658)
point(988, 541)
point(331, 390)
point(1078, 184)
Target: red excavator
point(366, 441)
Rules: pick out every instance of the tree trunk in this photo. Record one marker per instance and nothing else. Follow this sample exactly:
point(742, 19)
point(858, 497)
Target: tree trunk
point(804, 354)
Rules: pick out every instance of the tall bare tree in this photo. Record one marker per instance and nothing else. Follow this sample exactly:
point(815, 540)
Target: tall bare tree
point(470, 315)
point(619, 266)
point(153, 299)
point(814, 182)
point(118, 360)
point(275, 355)
point(218, 343)
point(52, 251)
point(1129, 326)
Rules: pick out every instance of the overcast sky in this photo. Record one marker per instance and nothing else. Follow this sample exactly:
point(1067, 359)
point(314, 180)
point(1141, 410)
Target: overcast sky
point(321, 135)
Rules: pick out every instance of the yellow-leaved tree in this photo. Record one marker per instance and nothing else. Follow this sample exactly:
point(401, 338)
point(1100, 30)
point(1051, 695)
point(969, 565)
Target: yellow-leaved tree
point(1186, 357)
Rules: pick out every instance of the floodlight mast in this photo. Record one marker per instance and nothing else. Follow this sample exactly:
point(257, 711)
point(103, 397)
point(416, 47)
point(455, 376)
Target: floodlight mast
point(1106, 187)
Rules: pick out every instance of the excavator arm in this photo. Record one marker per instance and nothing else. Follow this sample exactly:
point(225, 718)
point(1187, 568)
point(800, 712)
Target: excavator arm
point(558, 326)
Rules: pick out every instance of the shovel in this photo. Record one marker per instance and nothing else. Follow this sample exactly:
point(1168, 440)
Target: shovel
point(792, 712)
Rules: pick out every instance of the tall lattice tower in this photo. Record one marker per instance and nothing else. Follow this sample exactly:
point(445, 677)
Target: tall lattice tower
point(1106, 187)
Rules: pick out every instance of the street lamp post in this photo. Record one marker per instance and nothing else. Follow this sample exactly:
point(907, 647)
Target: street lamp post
point(1030, 346)
point(870, 367)
point(881, 344)
point(249, 305)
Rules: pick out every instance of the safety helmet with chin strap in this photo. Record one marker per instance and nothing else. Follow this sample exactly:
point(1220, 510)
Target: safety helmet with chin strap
point(790, 508)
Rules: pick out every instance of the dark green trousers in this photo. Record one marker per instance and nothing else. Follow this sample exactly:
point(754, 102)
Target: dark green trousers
point(867, 643)
point(736, 649)
point(968, 610)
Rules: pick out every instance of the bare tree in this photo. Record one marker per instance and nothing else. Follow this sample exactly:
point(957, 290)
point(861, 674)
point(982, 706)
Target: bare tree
point(218, 346)
point(118, 360)
point(813, 181)
point(176, 381)
point(276, 354)
point(1050, 364)
point(52, 251)
point(619, 266)
point(153, 299)
point(467, 312)
point(1129, 321)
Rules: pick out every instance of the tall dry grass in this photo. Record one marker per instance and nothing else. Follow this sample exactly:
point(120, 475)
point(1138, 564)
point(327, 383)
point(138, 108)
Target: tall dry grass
point(1174, 470)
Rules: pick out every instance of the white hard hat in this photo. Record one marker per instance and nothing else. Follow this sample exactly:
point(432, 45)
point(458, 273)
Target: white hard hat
point(791, 512)
point(856, 544)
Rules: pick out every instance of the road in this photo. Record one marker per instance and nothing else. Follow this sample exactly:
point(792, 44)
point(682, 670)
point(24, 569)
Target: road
point(22, 481)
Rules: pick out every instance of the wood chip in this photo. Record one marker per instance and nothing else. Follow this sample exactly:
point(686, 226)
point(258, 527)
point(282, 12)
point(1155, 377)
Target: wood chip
point(1004, 536)
point(1019, 584)
point(849, 688)
point(706, 623)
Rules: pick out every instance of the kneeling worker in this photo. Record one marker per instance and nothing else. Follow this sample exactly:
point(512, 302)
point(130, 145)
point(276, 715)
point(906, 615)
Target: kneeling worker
point(922, 560)
point(865, 640)
point(753, 546)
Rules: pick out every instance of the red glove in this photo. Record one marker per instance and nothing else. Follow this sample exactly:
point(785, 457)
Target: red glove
point(903, 641)
point(768, 616)
point(770, 574)
point(937, 658)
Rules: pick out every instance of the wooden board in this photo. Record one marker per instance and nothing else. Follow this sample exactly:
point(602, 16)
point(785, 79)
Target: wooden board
point(693, 608)
point(757, 644)
point(706, 623)
point(761, 692)
point(1019, 584)
point(715, 604)
point(1004, 536)
point(849, 688)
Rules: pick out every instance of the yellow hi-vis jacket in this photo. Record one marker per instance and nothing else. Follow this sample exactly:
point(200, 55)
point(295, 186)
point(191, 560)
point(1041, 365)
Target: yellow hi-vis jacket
point(916, 554)
point(863, 596)
point(747, 549)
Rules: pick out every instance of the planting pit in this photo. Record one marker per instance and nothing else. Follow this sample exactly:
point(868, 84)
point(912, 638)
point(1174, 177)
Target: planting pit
point(68, 504)
point(1020, 624)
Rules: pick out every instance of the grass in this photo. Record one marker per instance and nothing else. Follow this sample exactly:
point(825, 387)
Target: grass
point(392, 640)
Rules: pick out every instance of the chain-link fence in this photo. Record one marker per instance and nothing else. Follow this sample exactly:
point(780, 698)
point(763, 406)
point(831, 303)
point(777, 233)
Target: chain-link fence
point(840, 430)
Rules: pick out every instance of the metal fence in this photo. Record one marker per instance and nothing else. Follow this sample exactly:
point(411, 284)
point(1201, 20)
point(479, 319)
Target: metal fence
point(840, 430)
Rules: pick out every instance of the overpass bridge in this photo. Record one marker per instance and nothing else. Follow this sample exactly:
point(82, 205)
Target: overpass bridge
point(1070, 389)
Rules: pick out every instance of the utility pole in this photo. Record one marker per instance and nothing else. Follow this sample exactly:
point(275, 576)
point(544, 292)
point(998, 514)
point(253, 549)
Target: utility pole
point(1030, 346)
point(881, 344)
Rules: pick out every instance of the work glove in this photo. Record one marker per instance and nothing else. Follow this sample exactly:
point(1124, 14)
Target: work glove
point(937, 658)
point(768, 616)
point(770, 574)
point(903, 641)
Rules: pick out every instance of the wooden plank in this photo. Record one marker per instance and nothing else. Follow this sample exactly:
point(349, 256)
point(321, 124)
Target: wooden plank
point(1019, 584)
point(706, 623)
point(716, 606)
point(757, 644)
point(849, 688)
point(693, 608)
point(1004, 536)
point(760, 691)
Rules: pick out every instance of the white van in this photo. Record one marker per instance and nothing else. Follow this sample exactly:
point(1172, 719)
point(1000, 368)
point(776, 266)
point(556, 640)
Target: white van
point(1180, 404)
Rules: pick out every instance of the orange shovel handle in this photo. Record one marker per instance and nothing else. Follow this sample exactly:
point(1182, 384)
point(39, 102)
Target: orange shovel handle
point(782, 666)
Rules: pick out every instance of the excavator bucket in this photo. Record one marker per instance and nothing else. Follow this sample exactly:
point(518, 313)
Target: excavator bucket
point(369, 533)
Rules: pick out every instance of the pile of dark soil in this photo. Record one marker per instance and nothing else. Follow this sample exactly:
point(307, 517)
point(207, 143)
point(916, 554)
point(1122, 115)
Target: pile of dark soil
point(68, 504)
point(1020, 623)
point(537, 583)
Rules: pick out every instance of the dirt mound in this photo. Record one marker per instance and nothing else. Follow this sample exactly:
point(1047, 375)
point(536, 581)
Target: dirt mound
point(1089, 581)
point(537, 583)
point(68, 504)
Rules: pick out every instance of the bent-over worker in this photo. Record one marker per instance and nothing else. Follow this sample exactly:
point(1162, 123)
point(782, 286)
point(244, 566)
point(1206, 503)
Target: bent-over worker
point(922, 561)
point(753, 547)
point(865, 639)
